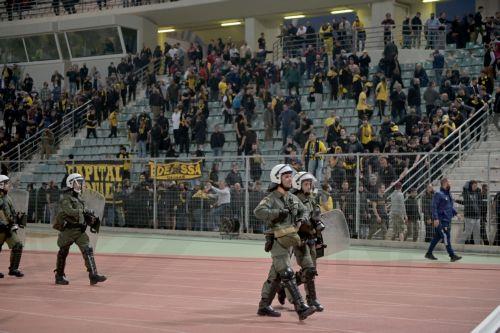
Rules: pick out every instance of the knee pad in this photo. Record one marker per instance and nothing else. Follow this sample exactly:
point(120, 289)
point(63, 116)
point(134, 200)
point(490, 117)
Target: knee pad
point(18, 247)
point(310, 273)
point(286, 275)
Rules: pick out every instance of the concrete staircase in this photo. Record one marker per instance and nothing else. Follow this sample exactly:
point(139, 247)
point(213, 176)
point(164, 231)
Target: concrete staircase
point(475, 164)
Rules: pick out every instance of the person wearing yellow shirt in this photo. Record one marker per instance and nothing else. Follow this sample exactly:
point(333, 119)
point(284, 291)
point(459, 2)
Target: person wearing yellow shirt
point(113, 124)
point(381, 96)
point(326, 32)
point(366, 134)
point(312, 156)
point(364, 109)
point(447, 126)
point(222, 87)
point(359, 27)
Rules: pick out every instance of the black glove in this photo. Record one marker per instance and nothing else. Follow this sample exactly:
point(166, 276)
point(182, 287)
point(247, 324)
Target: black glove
point(283, 214)
point(269, 242)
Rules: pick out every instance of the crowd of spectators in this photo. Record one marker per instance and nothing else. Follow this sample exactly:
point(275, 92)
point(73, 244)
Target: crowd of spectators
point(238, 78)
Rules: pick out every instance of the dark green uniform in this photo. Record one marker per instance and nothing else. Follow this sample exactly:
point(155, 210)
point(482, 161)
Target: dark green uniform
point(71, 224)
point(305, 254)
point(286, 238)
point(8, 234)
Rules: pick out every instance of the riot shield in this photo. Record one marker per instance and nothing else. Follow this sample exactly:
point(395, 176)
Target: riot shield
point(20, 199)
point(335, 236)
point(95, 202)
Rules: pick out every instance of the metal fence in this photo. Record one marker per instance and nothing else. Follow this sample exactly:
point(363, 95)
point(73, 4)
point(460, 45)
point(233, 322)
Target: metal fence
point(369, 38)
point(179, 193)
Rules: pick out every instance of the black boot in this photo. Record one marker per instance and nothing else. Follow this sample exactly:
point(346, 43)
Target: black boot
point(60, 265)
point(1, 275)
point(88, 256)
point(290, 284)
point(309, 275)
point(265, 308)
point(312, 300)
point(15, 260)
point(281, 295)
point(455, 258)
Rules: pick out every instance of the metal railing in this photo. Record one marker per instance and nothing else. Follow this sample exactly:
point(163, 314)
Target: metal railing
point(358, 40)
point(155, 201)
point(41, 8)
point(69, 126)
point(461, 141)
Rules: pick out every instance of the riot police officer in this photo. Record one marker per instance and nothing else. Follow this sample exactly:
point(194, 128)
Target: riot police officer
point(8, 228)
point(71, 225)
point(305, 254)
point(283, 212)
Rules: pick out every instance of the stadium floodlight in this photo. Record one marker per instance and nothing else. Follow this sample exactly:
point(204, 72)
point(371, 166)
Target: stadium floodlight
point(426, 1)
point(230, 24)
point(341, 11)
point(291, 17)
point(160, 31)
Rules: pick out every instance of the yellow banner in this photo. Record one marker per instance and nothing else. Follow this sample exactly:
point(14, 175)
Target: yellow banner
point(101, 177)
point(175, 170)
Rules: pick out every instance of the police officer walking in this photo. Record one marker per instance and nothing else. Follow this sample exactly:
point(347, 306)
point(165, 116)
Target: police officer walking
point(71, 225)
point(8, 227)
point(306, 253)
point(284, 213)
point(442, 213)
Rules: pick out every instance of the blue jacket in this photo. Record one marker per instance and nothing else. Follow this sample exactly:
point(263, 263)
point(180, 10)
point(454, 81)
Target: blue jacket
point(442, 207)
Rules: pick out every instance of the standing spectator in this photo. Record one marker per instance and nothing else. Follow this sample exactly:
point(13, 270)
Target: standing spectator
point(45, 96)
point(312, 156)
point(414, 99)
point(421, 74)
point(318, 91)
point(432, 26)
point(427, 211)
point(360, 32)
point(416, 28)
point(142, 137)
point(234, 177)
point(73, 77)
point(381, 96)
point(442, 213)
point(379, 213)
point(124, 156)
point(288, 122)
point(268, 118)
point(397, 216)
point(472, 213)
point(413, 215)
point(156, 103)
point(113, 124)
point(388, 25)
point(407, 34)
point(431, 96)
point(438, 64)
point(91, 124)
point(47, 143)
point(133, 127)
point(56, 79)
point(398, 104)
point(484, 213)
point(366, 134)
point(84, 72)
point(155, 137)
point(256, 162)
point(217, 141)
point(221, 207)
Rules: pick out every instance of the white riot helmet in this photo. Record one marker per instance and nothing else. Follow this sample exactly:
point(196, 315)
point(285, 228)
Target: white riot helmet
point(70, 182)
point(4, 180)
point(300, 177)
point(277, 171)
